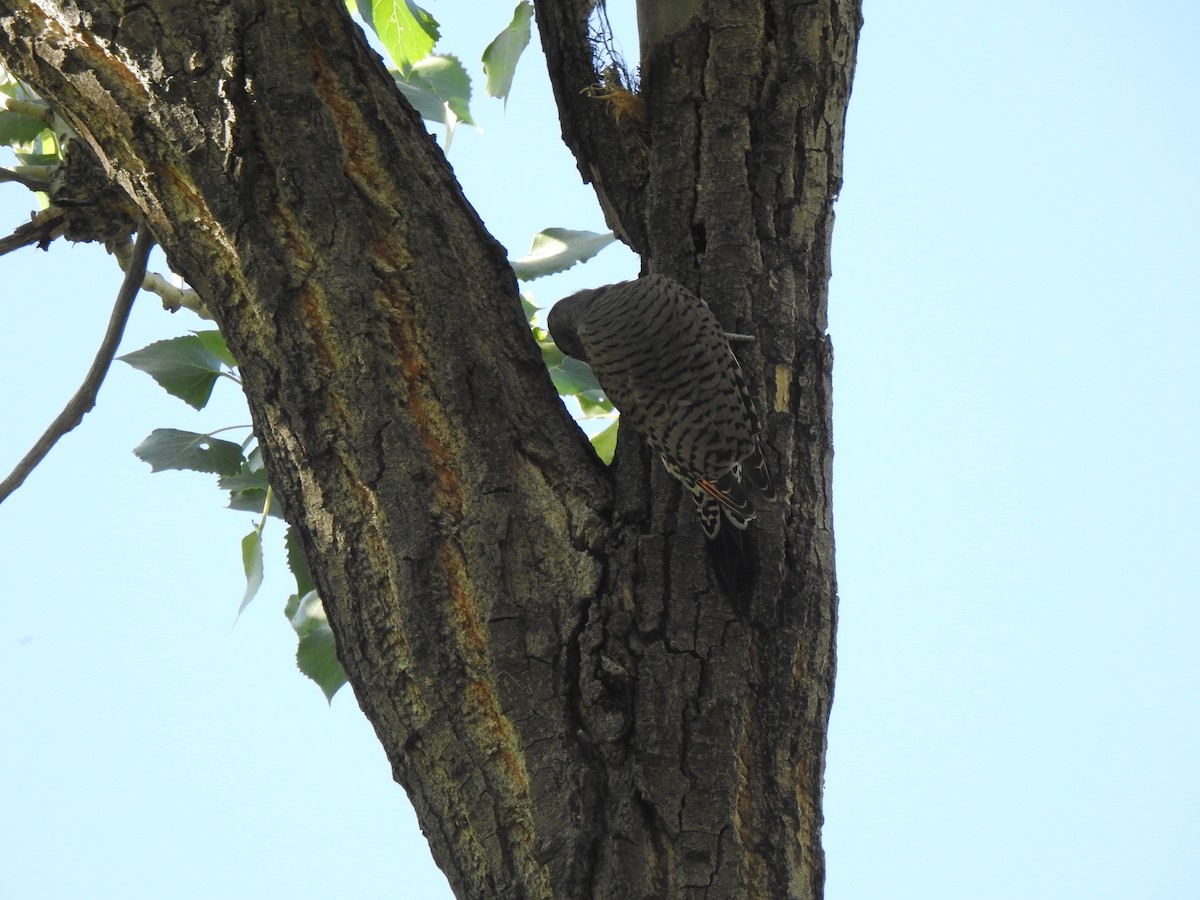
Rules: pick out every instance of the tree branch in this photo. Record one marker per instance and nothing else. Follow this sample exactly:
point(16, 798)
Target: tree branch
point(533, 638)
point(85, 397)
point(29, 181)
point(44, 227)
point(444, 500)
point(610, 154)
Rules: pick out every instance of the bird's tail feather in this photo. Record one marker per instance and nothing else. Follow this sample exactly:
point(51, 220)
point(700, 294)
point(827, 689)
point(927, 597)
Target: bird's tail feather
point(733, 553)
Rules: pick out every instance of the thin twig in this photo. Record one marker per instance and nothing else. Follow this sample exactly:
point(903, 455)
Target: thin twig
point(85, 397)
point(175, 298)
point(39, 111)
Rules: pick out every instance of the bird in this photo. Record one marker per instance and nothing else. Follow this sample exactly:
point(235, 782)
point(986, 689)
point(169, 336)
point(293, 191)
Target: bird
point(665, 362)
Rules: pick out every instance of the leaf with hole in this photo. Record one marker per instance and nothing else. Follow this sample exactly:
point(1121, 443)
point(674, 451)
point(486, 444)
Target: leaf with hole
point(169, 448)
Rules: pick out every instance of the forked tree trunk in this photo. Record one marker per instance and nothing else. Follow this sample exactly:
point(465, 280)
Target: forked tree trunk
point(573, 707)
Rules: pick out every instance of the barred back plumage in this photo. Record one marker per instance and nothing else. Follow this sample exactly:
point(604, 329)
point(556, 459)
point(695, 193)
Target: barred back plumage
point(665, 362)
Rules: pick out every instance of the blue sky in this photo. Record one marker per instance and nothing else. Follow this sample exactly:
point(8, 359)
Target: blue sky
point(1015, 318)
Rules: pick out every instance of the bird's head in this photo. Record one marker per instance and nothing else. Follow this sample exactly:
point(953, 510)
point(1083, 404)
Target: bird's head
point(564, 320)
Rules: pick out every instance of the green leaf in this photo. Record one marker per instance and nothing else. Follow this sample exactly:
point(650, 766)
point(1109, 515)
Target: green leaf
point(574, 378)
point(530, 309)
point(570, 375)
point(17, 128)
point(248, 488)
point(298, 563)
point(429, 106)
point(557, 249)
point(253, 500)
point(407, 32)
point(252, 562)
point(605, 443)
point(594, 403)
point(183, 366)
point(214, 343)
point(245, 479)
point(436, 87)
point(501, 56)
point(450, 81)
point(168, 448)
point(316, 655)
point(41, 160)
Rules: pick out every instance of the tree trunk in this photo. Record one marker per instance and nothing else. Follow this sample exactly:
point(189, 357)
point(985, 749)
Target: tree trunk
point(573, 707)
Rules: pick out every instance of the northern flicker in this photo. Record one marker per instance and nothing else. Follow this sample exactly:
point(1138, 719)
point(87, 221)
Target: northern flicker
point(664, 361)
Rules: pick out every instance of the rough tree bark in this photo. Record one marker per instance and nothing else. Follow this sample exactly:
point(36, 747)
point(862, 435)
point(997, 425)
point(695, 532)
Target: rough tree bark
point(572, 706)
